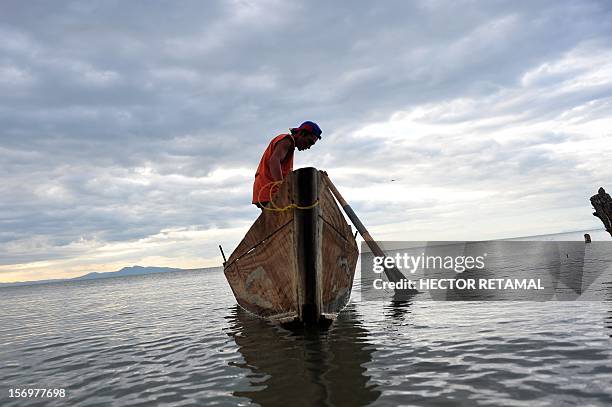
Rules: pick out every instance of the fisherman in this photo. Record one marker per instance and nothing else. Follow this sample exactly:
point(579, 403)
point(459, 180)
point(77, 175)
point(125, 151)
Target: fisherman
point(277, 160)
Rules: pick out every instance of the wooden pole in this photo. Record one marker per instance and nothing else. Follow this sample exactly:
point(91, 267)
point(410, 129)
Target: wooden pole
point(223, 254)
point(393, 274)
point(308, 242)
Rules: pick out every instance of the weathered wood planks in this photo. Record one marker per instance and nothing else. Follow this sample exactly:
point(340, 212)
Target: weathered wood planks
point(298, 263)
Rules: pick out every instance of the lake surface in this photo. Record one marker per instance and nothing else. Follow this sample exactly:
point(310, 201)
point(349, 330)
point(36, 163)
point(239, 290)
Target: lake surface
point(179, 339)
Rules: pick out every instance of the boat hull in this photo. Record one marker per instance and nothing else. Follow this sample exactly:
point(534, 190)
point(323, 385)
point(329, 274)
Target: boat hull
point(297, 263)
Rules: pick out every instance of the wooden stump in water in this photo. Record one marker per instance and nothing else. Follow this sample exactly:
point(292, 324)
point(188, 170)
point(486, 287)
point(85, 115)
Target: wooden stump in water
point(602, 203)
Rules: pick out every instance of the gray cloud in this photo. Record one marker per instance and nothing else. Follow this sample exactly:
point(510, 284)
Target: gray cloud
point(115, 116)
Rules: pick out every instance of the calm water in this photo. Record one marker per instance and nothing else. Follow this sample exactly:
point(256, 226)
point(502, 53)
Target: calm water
point(179, 339)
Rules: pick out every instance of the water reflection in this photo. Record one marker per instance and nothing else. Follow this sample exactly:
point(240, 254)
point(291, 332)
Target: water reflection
point(608, 317)
point(398, 310)
point(306, 366)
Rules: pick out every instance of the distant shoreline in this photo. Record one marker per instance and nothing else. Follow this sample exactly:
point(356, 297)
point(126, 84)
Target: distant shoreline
point(146, 270)
point(124, 272)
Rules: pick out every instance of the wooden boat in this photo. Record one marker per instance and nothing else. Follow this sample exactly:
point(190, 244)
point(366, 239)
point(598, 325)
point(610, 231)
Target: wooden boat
point(297, 261)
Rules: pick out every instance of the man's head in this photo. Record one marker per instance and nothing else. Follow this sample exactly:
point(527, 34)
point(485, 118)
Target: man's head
point(306, 135)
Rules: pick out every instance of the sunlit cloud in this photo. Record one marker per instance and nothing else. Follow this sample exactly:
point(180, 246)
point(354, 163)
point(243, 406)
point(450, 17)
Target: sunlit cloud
point(132, 137)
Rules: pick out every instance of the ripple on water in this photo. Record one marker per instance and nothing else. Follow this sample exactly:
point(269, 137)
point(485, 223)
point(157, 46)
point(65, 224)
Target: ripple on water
point(180, 339)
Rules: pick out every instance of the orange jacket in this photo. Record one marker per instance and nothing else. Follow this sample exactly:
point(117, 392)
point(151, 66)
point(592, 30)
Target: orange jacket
point(263, 178)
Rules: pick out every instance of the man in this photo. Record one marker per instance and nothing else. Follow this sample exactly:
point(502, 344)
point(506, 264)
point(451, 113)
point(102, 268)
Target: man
point(277, 160)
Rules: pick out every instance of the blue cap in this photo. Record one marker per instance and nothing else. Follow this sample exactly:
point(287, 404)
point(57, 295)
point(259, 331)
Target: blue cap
point(311, 127)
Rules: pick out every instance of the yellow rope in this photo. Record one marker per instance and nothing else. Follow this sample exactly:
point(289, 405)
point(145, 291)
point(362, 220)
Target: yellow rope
point(275, 208)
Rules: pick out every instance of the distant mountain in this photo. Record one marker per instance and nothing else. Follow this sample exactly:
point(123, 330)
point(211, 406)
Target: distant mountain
point(126, 271)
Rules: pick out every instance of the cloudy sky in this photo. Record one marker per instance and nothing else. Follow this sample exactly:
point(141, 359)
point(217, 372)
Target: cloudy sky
point(130, 131)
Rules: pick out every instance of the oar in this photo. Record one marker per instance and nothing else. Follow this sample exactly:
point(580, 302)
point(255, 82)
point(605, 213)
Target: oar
point(392, 273)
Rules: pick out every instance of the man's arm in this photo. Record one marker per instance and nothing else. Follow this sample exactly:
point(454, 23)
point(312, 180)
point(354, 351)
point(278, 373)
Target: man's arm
point(278, 155)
